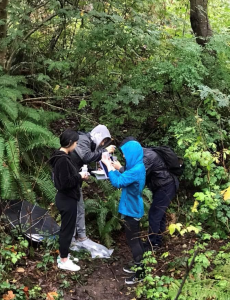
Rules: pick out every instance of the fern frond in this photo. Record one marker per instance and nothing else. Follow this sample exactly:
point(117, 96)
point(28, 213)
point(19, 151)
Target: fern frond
point(29, 113)
point(37, 136)
point(9, 108)
point(108, 240)
point(10, 94)
point(202, 290)
point(7, 125)
point(8, 184)
point(13, 81)
point(112, 224)
point(91, 206)
point(45, 184)
point(2, 149)
point(41, 141)
point(12, 154)
point(106, 186)
point(101, 219)
point(113, 202)
point(34, 129)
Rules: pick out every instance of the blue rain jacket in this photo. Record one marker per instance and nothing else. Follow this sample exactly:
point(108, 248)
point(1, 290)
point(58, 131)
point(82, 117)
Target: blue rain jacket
point(132, 181)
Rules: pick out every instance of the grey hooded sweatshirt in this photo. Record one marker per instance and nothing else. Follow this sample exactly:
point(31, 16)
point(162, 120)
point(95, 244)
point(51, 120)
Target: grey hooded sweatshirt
point(88, 148)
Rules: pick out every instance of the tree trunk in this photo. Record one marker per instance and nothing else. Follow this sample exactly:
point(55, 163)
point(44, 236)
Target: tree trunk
point(199, 21)
point(3, 28)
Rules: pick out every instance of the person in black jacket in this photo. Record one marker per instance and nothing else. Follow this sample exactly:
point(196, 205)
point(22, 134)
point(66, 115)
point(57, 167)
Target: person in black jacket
point(163, 186)
point(67, 181)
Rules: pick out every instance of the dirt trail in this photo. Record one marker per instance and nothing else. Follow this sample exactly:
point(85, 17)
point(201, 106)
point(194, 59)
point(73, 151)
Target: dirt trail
point(107, 280)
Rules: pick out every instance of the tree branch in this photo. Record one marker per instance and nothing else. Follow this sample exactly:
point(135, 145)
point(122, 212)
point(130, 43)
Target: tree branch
point(9, 62)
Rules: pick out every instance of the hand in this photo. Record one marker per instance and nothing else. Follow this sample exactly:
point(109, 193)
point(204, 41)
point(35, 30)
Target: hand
point(84, 175)
point(111, 148)
point(116, 164)
point(108, 163)
point(106, 160)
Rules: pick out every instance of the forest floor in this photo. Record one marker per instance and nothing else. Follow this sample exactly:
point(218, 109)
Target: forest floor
point(100, 279)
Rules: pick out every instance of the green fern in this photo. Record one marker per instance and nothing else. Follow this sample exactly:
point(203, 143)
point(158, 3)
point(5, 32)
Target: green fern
point(105, 210)
point(44, 184)
point(24, 136)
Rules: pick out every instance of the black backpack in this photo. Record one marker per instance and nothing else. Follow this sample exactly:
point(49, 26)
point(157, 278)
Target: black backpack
point(174, 164)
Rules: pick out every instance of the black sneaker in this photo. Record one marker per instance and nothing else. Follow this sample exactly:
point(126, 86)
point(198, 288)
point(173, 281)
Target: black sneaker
point(133, 279)
point(129, 268)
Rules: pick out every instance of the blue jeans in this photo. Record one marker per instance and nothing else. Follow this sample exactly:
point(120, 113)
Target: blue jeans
point(157, 213)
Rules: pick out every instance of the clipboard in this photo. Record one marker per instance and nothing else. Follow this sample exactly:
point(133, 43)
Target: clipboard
point(103, 174)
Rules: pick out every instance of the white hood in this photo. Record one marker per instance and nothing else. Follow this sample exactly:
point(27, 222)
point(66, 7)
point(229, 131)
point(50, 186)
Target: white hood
point(99, 133)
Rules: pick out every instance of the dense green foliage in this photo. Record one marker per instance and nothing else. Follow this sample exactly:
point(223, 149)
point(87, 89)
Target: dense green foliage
point(208, 279)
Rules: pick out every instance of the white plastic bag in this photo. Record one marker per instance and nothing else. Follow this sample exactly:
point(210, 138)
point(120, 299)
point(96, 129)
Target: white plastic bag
point(95, 249)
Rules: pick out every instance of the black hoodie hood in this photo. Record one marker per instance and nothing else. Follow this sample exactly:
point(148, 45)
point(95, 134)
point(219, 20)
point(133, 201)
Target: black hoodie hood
point(56, 156)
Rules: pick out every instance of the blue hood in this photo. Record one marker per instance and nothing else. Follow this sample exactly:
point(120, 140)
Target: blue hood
point(133, 153)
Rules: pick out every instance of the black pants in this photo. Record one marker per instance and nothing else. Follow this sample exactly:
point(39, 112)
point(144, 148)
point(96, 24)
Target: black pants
point(132, 231)
point(157, 213)
point(68, 209)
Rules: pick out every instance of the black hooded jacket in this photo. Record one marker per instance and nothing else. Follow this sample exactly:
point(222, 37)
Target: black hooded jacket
point(66, 178)
point(157, 174)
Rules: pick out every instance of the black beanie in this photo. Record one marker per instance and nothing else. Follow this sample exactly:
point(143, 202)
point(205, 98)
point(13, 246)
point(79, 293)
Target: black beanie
point(68, 137)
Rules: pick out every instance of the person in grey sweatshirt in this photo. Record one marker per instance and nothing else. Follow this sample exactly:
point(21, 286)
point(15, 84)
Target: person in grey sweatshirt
point(89, 149)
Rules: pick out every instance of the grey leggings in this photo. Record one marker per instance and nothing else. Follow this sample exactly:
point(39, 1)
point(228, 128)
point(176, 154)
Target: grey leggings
point(80, 221)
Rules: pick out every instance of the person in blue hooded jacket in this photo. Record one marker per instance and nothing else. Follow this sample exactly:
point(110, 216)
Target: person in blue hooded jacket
point(131, 207)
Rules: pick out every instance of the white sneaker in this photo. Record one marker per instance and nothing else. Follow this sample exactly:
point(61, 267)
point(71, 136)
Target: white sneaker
point(68, 265)
point(70, 257)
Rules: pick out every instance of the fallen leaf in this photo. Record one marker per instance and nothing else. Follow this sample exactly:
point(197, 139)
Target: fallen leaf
point(51, 295)
point(26, 291)
point(14, 280)
point(20, 270)
point(9, 296)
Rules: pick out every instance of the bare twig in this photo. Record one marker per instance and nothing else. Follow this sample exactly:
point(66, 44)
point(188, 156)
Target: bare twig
point(189, 267)
point(41, 102)
point(54, 97)
point(115, 277)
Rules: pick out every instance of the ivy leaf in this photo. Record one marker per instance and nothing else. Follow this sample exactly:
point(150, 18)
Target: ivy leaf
point(82, 104)
point(173, 227)
point(14, 259)
point(193, 228)
point(195, 205)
